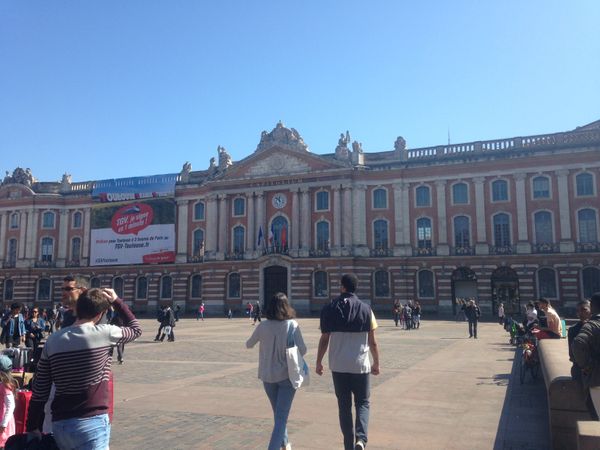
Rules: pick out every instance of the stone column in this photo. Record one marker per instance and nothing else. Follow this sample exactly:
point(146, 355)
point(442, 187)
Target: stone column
point(223, 248)
point(23, 222)
point(443, 248)
point(210, 246)
point(523, 245)
point(3, 227)
point(481, 246)
point(305, 222)
point(182, 230)
point(337, 221)
point(63, 237)
point(401, 220)
point(347, 218)
point(260, 221)
point(251, 235)
point(295, 228)
point(31, 244)
point(566, 238)
point(87, 223)
point(359, 223)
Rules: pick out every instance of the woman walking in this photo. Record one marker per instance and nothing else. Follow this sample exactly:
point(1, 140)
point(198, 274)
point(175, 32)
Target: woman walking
point(272, 363)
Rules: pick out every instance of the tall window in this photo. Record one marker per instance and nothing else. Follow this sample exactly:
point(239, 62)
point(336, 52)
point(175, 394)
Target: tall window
point(196, 286)
point(587, 226)
point(380, 198)
point(239, 235)
point(382, 283)
point(541, 187)
point(460, 194)
point(322, 235)
point(198, 242)
point(75, 249)
point(44, 290)
point(199, 211)
point(547, 283)
point(47, 249)
point(280, 232)
point(499, 190)
point(239, 207)
point(234, 288)
point(166, 287)
point(426, 284)
point(380, 234)
point(118, 286)
point(95, 282)
point(14, 221)
point(141, 288)
point(48, 220)
point(320, 284)
point(9, 288)
point(502, 230)
point(585, 184)
point(12, 252)
point(77, 219)
point(424, 232)
point(591, 281)
point(423, 196)
point(543, 227)
point(461, 232)
point(322, 201)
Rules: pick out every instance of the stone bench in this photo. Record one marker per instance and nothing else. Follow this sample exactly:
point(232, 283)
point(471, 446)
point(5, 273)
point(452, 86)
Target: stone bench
point(566, 403)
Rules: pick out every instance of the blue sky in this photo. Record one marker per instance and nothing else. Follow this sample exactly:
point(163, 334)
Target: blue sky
point(104, 89)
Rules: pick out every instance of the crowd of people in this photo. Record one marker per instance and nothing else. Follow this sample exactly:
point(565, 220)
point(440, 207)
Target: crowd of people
point(407, 316)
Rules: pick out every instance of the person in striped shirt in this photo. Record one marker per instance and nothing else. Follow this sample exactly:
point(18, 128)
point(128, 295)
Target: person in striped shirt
point(77, 360)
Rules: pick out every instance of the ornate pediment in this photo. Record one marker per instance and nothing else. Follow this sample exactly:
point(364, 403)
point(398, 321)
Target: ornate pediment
point(278, 163)
point(19, 176)
point(282, 137)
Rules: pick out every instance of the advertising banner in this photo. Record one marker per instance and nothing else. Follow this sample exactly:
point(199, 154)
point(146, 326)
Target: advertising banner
point(133, 221)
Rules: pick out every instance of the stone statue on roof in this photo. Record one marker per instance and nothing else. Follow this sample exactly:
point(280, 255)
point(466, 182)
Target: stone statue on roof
point(20, 176)
point(283, 137)
point(224, 158)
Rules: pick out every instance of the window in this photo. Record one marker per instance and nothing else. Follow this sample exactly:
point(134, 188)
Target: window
point(461, 232)
point(587, 226)
point(11, 256)
point(77, 219)
point(380, 198)
point(239, 207)
point(199, 211)
point(499, 191)
point(547, 283)
point(426, 283)
point(380, 234)
point(320, 284)
point(423, 197)
point(196, 286)
point(322, 201)
point(47, 249)
point(322, 235)
point(44, 289)
point(541, 187)
point(424, 232)
point(234, 286)
point(118, 286)
point(239, 235)
point(141, 288)
point(382, 283)
point(460, 194)
point(166, 287)
point(585, 184)
point(14, 221)
point(75, 249)
point(48, 220)
point(9, 289)
point(279, 228)
point(501, 230)
point(95, 282)
point(591, 281)
point(198, 249)
point(543, 227)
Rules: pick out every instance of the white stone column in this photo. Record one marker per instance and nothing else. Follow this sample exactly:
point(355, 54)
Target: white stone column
point(63, 237)
point(251, 234)
point(295, 229)
point(23, 222)
point(305, 222)
point(31, 244)
point(211, 227)
point(523, 245)
point(443, 248)
point(260, 221)
point(402, 220)
point(347, 217)
point(337, 221)
point(3, 227)
point(359, 223)
point(223, 227)
point(566, 238)
point(182, 230)
point(481, 246)
point(87, 223)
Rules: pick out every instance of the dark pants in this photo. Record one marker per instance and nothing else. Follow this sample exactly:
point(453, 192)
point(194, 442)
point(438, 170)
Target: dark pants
point(120, 352)
point(473, 328)
point(345, 385)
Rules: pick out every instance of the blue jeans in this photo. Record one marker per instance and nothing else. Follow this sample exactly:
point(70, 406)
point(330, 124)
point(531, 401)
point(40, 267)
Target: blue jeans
point(281, 395)
point(88, 433)
point(345, 385)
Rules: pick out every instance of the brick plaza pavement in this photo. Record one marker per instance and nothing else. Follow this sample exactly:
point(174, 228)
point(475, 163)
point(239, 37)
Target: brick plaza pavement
point(437, 390)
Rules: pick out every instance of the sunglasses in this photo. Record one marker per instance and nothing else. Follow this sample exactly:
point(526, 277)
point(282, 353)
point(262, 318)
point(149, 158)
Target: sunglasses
point(69, 288)
point(35, 310)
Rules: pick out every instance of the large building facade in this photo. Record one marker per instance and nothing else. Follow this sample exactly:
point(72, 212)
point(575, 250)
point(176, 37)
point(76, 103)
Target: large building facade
point(505, 220)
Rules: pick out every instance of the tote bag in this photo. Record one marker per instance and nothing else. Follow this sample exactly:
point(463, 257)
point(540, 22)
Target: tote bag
point(298, 371)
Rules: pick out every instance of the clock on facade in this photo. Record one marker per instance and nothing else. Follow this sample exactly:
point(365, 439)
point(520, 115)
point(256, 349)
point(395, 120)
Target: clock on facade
point(279, 200)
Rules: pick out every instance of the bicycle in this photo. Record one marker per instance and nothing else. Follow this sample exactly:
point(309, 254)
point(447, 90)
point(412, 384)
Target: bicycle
point(530, 360)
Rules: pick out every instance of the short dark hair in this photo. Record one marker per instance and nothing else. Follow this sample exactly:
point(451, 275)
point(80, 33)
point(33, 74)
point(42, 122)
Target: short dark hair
point(15, 305)
point(584, 302)
point(79, 280)
point(543, 300)
point(595, 301)
point(350, 282)
point(279, 308)
point(91, 303)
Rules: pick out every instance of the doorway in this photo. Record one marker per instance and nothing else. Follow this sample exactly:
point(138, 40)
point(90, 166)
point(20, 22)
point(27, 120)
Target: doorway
point(505, 289)
point(275, 280)
point(464, 286)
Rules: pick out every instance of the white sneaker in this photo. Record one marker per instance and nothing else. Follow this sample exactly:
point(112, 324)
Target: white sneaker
point(360, 445)
point(287, 446)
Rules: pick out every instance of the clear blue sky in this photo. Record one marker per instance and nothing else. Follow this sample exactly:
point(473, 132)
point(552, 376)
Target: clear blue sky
point(114, 88)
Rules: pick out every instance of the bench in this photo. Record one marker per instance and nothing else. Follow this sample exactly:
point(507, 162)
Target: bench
point(566, 402)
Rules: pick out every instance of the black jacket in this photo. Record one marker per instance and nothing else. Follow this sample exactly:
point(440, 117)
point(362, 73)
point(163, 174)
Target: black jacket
point(586, 351)
point(472, 312)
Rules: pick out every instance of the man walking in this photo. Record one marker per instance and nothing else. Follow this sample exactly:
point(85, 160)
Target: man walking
point(472, 312)
point(348, 330)
point(71, 290)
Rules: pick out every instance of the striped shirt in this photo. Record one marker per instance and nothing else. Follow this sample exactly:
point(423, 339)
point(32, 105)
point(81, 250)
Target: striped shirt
point(77, 360)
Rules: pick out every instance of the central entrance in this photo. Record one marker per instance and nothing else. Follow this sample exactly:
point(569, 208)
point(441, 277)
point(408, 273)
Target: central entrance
point(505, 289)
point(275, 280)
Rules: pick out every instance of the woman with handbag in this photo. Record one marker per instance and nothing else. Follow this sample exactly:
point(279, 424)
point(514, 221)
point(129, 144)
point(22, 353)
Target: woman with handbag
point(272, 335)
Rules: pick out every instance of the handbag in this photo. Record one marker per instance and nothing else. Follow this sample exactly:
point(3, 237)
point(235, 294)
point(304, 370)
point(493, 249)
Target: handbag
point(298, 371)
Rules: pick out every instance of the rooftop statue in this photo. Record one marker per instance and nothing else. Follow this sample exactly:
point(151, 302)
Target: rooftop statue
point(19, 176)
point(400, 144)
point(224, 158)
point(341, 151)
point(281, 136)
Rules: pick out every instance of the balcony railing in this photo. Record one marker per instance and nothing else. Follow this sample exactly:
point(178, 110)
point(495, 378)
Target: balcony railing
point(502, 250)
point(195, 259)
point(424, 251)
point(9, 264)
point(546, 247)
point(73, 263)
point(319, 253)
point(382, 252)
point(585, 247)
point(276, 249)
point(234, 256)
point(462, 251)
point(44, 264)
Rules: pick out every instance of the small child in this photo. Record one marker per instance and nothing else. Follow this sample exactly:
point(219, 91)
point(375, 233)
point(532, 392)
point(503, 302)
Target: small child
point(8, 385)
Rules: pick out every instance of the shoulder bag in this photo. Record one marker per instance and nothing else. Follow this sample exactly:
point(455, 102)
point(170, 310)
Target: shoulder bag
point(298, 371)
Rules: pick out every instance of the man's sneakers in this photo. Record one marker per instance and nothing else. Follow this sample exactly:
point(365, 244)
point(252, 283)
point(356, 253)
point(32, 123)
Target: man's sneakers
point(287, 446)
point(360, 445)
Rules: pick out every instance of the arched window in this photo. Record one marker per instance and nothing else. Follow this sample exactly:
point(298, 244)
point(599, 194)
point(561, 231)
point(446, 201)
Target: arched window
point(9, 289)
point(323, 235)
point(585, 184)
point(47, 249)
point(462, 236)
point(499, 190)
point(380, 235)
point(591, 281)
point(426, 284)
point(502, 230)
point(196, 286)
point(141, 288)
point(423, 196)
point(198, 249)
point(11, 257)
point(460, 194)
point(77, 219)
point(48, 220)
point(543, 227)
point(382, 283)
point(14, 221)
point(118, 286)
point(76, 249)
point(44, 289)
point(547, 283)
point(424, 232)
point(239, 206)
point(199, 211)
point(541, 187)
point(166, 287)
point(95, 282)
point(239, 239)
point(380, 198)
point(322, 201)
point(320, 284)
point(279, 237)
point(234, 288)
point(588, 232)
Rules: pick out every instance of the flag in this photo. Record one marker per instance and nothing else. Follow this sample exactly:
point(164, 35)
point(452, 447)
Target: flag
point(283, 237)
point(261, 237)
point(271, 235)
